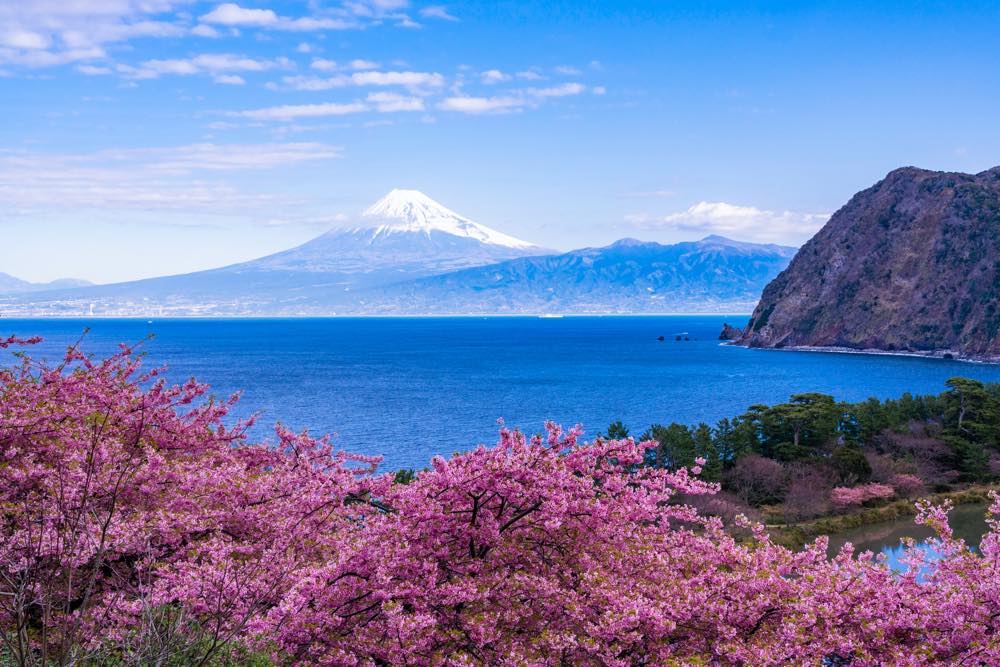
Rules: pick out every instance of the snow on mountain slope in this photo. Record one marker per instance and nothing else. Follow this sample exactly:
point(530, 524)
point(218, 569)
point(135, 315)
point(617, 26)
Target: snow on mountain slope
point(413, 211)
point(408, 234)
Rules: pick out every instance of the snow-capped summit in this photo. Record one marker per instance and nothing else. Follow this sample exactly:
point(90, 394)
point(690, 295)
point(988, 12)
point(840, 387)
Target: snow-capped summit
point(413, 211)
point(406, 235)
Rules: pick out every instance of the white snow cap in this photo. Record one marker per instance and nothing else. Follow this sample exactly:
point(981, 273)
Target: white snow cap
point(413, 211)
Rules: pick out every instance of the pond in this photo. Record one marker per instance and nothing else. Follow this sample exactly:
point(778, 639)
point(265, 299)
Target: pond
point(967, 521)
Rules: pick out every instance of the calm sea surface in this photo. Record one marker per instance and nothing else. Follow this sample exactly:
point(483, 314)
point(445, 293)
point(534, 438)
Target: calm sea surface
point(412, 388)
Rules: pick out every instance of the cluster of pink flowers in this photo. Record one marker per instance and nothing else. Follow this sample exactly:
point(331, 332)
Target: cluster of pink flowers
point(907, 485)
point(847, 496)
point(130, 514)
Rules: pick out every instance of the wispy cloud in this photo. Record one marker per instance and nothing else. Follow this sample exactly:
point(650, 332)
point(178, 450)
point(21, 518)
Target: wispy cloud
point(564, 90)
point(493, 76)
point(50, 33)
point(293, 111)
point(360, 63)
point(437, 12)
point(646, 194)
point(567, 70)
point(233, 15)
point(214, 157)
point(209, 63)
point(511, 102)
point(481, 105)
point(229, 79)
point(412, 80)
point(386, 102)
point(46, 33)
point(409, 79)
point(742, 222)
point(166, 178)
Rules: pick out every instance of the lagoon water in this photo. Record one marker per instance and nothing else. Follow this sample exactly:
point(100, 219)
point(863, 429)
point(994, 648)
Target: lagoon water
point(967, 521)
point(410, 388)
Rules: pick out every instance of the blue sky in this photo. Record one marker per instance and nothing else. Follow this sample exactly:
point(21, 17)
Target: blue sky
point(144, 137)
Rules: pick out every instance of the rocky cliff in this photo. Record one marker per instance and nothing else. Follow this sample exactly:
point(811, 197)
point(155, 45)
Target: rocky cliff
point(911, 264)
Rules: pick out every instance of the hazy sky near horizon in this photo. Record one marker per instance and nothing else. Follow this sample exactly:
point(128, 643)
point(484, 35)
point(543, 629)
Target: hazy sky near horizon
point(146, 137)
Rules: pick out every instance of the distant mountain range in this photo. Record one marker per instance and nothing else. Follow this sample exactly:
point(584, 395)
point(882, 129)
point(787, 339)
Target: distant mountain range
point(413, 256)
point(9, 283)
point(910, 265)
point(629, 276)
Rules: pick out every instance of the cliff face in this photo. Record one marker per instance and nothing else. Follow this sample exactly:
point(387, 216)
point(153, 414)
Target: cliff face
point(910, 264)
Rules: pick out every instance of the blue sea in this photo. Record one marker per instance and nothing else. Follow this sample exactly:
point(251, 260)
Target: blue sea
point(410, 388)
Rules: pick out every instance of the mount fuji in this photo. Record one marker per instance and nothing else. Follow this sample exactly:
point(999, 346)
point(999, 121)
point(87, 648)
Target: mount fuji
point(406, 234)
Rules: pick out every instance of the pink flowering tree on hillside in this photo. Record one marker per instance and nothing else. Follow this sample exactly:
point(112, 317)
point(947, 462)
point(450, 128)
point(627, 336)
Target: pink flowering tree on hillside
point(135, 527)
point(132, 514)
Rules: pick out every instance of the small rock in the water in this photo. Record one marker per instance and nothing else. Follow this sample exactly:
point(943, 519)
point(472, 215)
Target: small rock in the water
point(729, 332)
point(677, 337)
point(660, 338)
point(949, 355)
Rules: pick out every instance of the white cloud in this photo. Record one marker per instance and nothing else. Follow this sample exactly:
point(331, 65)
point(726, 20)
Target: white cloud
point(529, 75)
point(492, 76)
point(24, 39)
point(293, 111)
point(46, 33)
point(393, 102)
point(93, 70)
point(211, 63)
point(376, 8)
point(409, 79)
point(230, 13)
point(233, 15)
point(599, 90)
point(566, 70)
point(437, 12)
point(324, 65)
point(746, 223)
point(481, 105)
point(220, 157)
point(415, 81)
point(43, 58)
point(230, 79)
point(171, 178)
point(202, 30)
point(529, 97)
point(304, 47)
point(563, 90)
point(314, 83)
